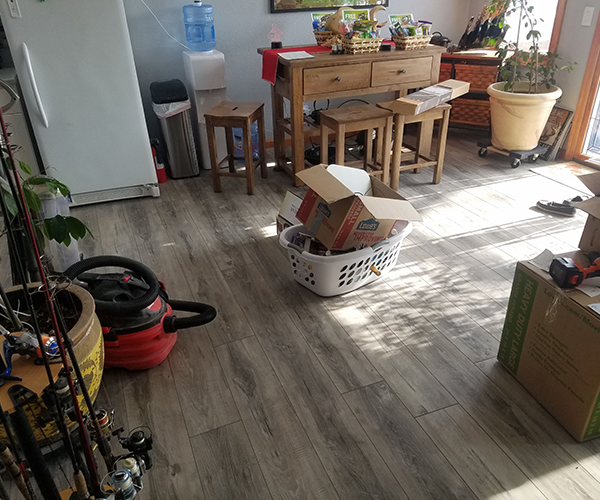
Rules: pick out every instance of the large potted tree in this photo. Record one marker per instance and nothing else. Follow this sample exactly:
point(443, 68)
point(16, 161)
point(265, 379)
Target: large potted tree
point(520, 104)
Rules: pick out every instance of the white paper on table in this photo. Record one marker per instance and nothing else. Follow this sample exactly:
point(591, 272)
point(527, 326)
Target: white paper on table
point(595, 308)
point(589, 290)
point(543, 260)
point(299, 54)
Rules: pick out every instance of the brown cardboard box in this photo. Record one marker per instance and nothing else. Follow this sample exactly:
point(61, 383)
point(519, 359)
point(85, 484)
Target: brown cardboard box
point(287, 213)
point(551, 344)
point(590, 238)
point(429, 97)
point(347, 208)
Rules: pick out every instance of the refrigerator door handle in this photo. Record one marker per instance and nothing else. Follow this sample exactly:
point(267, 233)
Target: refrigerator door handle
point(34, 87)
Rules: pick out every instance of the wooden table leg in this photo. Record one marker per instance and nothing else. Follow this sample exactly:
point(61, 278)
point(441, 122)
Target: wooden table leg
point(379, 145)
point(278, 133)
point(230, 148)
point(369, 149)
point(214, 160)
point(324, 144)
point(441, 149)
point(397, 156)
point(424, 141)
point(387, 146)
point(262, 146)
point(297, 125)
point(340, 145)
point(248, 157)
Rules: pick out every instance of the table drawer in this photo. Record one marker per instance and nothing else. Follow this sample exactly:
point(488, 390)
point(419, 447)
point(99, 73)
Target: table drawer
point(337, 78)
point(402, 71)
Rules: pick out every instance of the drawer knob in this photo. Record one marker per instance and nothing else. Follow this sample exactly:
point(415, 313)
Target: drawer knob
point(402, 71)
point(338, 79)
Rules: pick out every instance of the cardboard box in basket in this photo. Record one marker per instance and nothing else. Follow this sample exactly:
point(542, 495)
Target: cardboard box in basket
point(590, 238)
point(347, 208)
point(287, 213)
point(551, 344)
point(428, 98)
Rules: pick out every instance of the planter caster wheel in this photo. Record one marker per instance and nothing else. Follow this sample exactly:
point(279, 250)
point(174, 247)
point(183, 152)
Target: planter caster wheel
point(515, 163)
point(483, 152)
point(533, 158)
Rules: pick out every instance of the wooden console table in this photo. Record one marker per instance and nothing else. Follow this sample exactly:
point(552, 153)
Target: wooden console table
point(326, 76)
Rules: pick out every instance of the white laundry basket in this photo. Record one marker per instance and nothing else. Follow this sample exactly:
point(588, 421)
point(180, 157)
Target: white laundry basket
point(337, 274)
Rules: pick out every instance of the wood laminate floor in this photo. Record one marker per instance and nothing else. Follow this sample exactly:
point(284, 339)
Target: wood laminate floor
point(389, 392)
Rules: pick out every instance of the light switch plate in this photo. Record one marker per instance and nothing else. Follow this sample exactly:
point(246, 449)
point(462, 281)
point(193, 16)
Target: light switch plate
point(15, 11)
point(588, 14)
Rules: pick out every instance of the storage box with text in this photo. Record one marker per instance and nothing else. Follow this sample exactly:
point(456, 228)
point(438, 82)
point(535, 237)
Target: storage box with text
point(551, 344)
point(346, 208)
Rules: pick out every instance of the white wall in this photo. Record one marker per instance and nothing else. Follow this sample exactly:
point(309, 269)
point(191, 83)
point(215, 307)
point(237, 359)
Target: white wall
point(574, 46)
point(241, 27)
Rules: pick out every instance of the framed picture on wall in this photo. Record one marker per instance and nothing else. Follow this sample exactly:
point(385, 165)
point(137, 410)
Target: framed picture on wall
point(279, 6)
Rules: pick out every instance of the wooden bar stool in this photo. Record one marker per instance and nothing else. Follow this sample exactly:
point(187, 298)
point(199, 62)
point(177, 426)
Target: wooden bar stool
point(441, 112)
point(230, 115)
point(357, 119)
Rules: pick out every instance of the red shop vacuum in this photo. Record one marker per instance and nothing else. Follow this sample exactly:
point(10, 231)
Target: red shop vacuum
point(135, 311)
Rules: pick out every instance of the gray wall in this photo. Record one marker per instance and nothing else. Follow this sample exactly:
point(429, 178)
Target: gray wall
point(241, 27)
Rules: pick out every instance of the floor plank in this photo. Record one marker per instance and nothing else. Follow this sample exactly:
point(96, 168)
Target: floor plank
point(287, 459)
point(412, 456)
point(357, 471)
point(227, 465)
point(481, 463)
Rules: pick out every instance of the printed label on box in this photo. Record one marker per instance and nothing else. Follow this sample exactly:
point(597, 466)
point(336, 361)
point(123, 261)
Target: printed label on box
point(324, 209)
point(368, 225)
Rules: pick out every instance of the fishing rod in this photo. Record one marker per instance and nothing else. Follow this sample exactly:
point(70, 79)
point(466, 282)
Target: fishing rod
point(51, 400)
point(17, 192)
point(13, 462)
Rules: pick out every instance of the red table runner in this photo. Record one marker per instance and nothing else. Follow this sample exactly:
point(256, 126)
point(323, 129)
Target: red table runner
point(271, 57)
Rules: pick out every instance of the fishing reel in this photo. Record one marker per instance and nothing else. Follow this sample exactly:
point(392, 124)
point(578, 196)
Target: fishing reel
point(25, 344)
point(126, 481)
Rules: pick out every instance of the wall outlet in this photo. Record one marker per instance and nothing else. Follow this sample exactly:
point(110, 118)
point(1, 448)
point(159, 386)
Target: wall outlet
point(14, 8)
point(588, 14)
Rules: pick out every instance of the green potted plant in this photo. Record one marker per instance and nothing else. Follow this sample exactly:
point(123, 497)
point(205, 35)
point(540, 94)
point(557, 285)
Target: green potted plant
point(520, 104)
point(51, 228)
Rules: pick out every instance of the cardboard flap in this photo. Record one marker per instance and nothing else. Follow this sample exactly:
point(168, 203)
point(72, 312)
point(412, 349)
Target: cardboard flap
point(324, 184)
point(591, 206)
point(386, 209)
point(458, 88)
point(592, 182)
point(381, 190)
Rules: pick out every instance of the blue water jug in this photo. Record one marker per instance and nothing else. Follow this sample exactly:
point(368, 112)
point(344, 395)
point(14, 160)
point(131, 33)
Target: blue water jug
point(199, 26)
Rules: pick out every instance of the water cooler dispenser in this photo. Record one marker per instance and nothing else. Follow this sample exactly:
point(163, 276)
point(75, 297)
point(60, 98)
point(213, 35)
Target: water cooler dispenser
point(205, 78)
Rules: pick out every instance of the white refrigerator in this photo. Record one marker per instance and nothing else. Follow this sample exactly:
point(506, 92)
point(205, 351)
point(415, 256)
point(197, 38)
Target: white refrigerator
point(76, 70)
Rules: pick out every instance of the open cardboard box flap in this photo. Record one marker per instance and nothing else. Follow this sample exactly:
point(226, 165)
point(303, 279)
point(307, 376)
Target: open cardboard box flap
point(324, 184)
point(386, 209)
point(591, 206)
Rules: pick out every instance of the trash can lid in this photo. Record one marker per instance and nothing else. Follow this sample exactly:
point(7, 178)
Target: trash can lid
point(169, 91)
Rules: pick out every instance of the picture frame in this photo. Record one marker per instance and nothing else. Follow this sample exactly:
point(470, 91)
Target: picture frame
point(288, 6)
point(555, 132)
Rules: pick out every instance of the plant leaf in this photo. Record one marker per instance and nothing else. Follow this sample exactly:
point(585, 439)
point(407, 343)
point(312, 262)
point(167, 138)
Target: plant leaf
point(77, 229)
point(57, 228)
point(32, 200)
point(24, 167)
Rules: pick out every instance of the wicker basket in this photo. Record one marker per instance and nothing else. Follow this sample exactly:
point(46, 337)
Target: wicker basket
point(480, 77)
point(445, 72)
point(326, 38)
point(470, 112)
point(411, 42)
point(362, 45)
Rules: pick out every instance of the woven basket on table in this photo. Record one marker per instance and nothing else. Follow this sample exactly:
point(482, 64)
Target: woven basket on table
point(326, 38)
point(361, 45)
point(411, 42)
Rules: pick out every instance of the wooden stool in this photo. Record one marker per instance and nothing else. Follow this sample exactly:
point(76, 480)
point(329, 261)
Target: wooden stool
point(441, 112)
point(230, 115)
point(357, 119)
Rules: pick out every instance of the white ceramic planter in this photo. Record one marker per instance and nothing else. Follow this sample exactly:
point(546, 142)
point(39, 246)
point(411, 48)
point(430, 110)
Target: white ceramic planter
point(518, 119)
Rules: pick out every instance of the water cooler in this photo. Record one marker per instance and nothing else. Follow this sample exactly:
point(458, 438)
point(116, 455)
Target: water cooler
point(205, 79)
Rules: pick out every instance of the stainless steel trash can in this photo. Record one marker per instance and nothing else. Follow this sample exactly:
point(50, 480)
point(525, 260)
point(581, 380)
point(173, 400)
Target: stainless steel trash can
point(172, 106)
